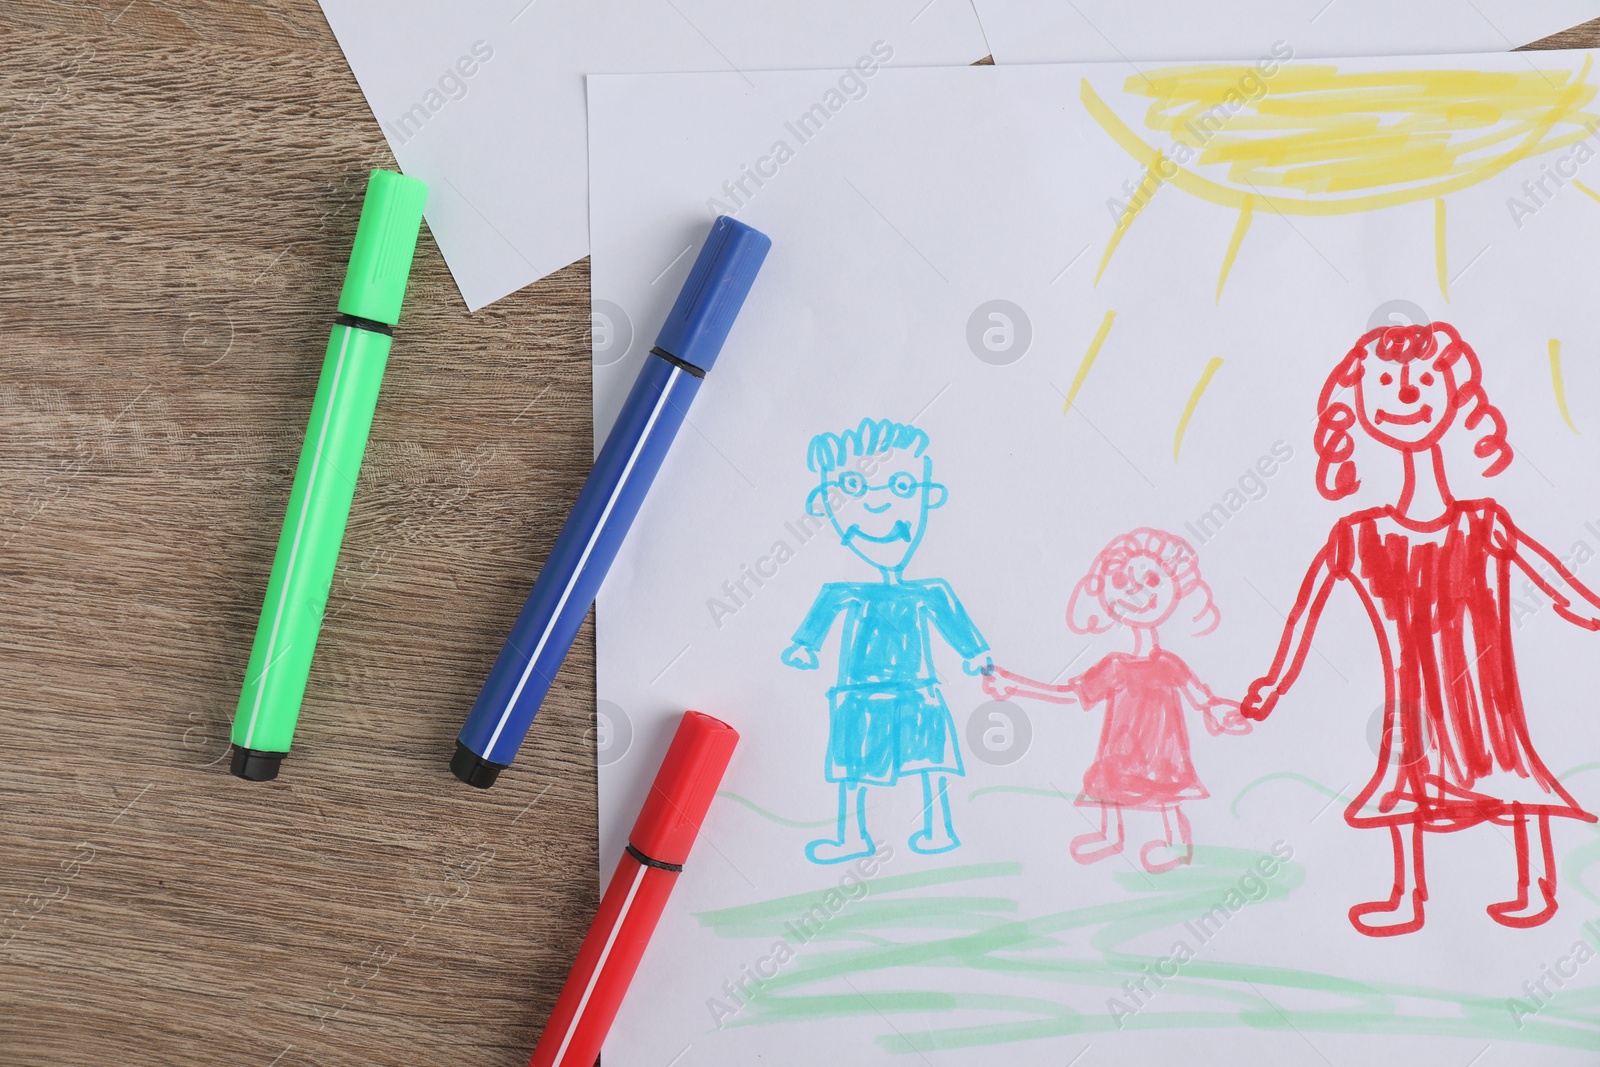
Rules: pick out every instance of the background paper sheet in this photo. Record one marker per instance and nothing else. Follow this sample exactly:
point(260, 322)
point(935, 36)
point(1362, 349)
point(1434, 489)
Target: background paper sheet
point(936, 246)
point(483, 99)
point(1072, 31)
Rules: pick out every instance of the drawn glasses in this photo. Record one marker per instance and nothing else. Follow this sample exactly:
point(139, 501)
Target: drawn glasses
point(901, 484)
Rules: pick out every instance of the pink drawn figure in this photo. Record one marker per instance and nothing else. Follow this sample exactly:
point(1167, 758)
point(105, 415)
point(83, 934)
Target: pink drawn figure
point(1434, 574)
point(1138, 581)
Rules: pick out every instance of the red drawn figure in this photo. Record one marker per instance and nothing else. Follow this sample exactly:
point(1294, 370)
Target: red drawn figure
point(1434, 574)
point(1137, 581)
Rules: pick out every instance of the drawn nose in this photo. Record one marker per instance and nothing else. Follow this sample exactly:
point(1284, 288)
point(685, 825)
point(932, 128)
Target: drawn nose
point(1409, 394)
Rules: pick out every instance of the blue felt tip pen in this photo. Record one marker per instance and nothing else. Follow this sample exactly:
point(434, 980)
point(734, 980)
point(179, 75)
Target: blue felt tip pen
point(688, 345)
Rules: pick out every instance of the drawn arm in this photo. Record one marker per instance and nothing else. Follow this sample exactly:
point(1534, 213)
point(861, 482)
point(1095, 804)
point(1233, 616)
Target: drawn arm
point(1572, 600)
point(814, 628)
point(1203, 700)
point(1295, 643)
point(1002, 684)
point(956, 627)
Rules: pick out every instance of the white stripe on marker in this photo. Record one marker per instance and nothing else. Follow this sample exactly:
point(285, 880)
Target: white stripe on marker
point(599, 966)
point(577, 571)
point(294, 548)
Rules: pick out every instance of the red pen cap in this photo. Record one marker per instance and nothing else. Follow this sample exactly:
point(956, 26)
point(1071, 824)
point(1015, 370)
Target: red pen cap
point(682, 792)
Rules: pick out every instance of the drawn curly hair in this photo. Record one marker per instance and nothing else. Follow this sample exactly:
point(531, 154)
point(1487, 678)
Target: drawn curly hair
point(831, 451)
point(1174, 555)
point(1439, 342)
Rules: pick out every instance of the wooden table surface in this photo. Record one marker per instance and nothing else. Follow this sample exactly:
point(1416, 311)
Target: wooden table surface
point(180, 185)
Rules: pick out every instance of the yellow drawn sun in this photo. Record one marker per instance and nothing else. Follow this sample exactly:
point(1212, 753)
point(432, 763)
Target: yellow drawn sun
point(1317, 141)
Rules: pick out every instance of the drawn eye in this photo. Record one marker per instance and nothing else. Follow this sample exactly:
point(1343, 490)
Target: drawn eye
point(853, 484)
point(1119, 580)
point(1152, 579)
point(902, 484)
point(1386, 379)
point(1426, 379)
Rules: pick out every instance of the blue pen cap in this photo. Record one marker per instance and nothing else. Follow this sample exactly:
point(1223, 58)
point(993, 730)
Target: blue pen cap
point(710, 300)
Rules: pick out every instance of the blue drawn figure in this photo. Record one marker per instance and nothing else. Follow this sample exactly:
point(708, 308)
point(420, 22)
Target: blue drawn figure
point(886, 716)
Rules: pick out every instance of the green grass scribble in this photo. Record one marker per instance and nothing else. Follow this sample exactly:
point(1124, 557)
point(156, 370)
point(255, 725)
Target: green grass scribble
point(938, 926)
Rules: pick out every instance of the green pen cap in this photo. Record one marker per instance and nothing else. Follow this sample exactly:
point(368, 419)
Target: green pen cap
point(386, 239)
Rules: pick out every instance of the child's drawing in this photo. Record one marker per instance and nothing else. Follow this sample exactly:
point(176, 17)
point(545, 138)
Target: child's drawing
point(1138, 581)
point(886, 716)
point(1434, 574)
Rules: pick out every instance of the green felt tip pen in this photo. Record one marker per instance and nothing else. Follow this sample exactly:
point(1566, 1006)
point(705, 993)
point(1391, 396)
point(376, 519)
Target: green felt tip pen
point(325, 480)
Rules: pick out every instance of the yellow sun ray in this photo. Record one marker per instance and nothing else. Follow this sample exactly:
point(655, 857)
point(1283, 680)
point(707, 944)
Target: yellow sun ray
point(1560, 387)
point(1194, 399)
point(1141, 200)
point(1234, 242)
point(1585, 190)
point(1088, 360)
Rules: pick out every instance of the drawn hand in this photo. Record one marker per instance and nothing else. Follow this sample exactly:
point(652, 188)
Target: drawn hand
point(979, 665)
point(800, 657)
point(1232, 721)
point(998, 688)
point(1260, 700)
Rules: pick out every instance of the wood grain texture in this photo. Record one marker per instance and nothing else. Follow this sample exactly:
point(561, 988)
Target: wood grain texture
point(180, 195)
point(180, 187)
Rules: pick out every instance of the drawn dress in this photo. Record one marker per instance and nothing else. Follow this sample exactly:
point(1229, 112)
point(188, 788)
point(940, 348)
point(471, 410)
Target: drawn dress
point(1143, 760)
point(1439, 597)
point(886, 716)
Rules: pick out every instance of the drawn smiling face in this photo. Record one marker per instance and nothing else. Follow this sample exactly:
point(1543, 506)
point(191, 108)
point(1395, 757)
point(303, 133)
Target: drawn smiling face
point(1138, 591)
point(880, 511)
point(1408, 402)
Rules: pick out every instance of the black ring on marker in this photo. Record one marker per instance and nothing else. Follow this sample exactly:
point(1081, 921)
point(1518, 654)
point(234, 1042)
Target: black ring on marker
point(657, 864)
point(370, 325)
point(687, 368)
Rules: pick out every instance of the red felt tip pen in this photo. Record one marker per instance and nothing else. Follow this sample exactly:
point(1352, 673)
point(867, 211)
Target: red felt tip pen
point(660, 842)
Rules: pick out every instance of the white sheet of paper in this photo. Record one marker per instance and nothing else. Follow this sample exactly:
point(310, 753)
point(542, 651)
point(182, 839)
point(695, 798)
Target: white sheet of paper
point(895, 230)
point(483, 99)
point(1082, 31)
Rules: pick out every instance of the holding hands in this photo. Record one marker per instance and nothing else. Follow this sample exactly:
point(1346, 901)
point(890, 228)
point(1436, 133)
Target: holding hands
point(998, 686)
point(1260, 699)
point(1232, 721)
point(1001, 684)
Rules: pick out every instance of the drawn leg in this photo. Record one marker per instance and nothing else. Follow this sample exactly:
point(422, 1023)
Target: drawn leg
point(852, 841)
point(936, 834)
point(1402, 912)
point(1090, 848)
point(1176, 849)
point(1523, 912)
